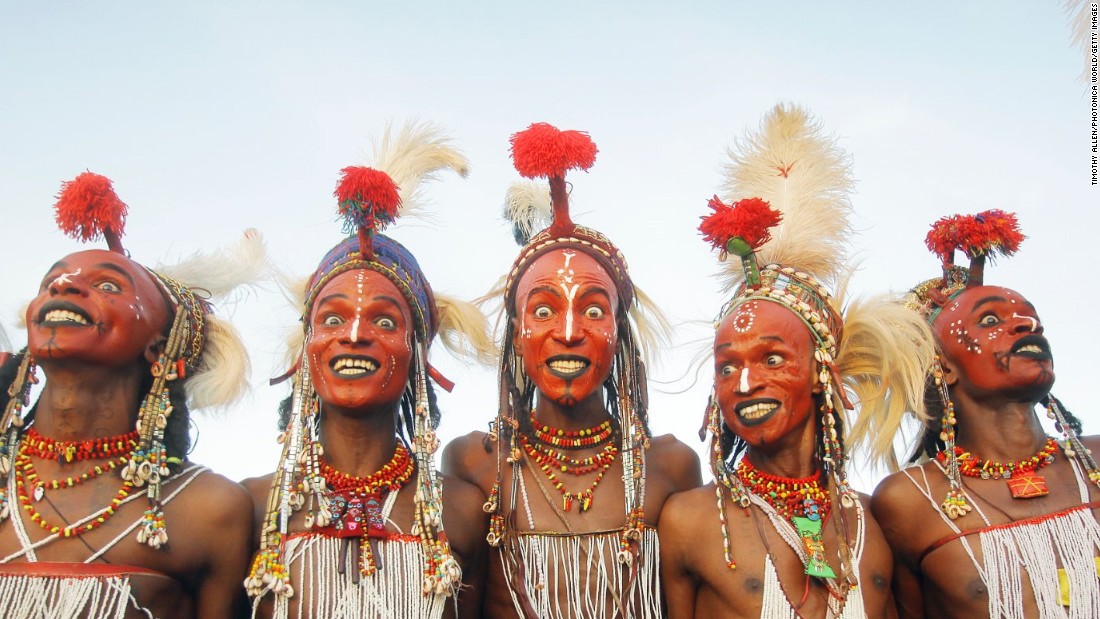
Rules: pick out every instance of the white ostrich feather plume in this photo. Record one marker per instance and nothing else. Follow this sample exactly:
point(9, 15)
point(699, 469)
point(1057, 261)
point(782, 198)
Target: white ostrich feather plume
point(527, 206)
point(804, 175)
point(414, 154)
point(221, 272)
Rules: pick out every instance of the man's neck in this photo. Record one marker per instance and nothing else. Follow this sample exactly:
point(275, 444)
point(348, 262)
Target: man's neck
point(359, 442)
point(998, 431)
point(587, 413)
point(83, 401)
point(792, 455)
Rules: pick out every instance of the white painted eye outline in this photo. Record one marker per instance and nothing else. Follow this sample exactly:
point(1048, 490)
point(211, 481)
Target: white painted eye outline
point(726, 370)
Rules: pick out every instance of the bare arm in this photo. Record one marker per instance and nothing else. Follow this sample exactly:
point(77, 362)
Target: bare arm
point(892, 508)
point(226, 511)
point(466, 525)
point(679, 584)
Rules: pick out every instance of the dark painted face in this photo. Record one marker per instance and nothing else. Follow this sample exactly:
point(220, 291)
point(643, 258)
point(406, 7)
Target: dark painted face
point(360, 345)
point(565, 326)
point(97, 306)
point(765, 373)
point(992, 343)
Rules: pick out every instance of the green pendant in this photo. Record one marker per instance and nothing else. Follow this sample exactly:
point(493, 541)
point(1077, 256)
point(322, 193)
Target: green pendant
point(810, 532)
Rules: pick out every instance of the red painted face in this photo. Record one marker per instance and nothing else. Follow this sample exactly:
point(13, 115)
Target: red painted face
point(565, 326)
point(360, 345)
point(765, 373)
point(992, 343)
point(97, 306)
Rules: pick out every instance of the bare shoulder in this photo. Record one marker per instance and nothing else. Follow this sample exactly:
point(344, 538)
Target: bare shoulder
point(674, 460)
point(1092, 443)
point(258, 487)
point(682, 510)
point(216, 496)
point(895, 496)
point(463, 513)
point(470, 458)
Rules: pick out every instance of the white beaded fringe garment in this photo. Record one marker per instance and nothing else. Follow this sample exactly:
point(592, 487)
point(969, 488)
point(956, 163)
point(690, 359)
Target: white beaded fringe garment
point(322, 592)
point(579, 576)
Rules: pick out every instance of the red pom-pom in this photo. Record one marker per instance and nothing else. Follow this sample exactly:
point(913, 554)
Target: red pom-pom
point(543, 150)
point(995, 232)
point(749, 220)
point(943, 239)
point(88, 208)
point(368, 198)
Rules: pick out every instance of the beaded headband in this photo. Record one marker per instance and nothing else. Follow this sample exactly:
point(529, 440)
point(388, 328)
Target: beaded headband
point(392, 260)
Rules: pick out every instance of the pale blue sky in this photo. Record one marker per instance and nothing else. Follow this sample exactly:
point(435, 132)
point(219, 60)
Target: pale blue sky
point(216, 116)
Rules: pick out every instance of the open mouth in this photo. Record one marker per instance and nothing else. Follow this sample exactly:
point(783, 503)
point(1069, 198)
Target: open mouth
point(63, 314)
point(567, 366)
point(353, 366)
point(1032, 347)
point(755, 412)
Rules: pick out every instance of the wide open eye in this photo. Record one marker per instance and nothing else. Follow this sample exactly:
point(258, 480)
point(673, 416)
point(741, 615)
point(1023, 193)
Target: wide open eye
point(108, 286)
point(332, 320)
point(773, 360)
point(988, 320)
point(387, 323)
point(593, 312)
point(726, 370)
point(543, 311)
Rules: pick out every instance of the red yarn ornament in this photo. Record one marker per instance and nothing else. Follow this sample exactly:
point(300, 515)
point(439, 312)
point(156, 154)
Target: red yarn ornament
point(543, 150)
point(88, 208)
point(749, 219)
point(367, 197)
point(993, 232)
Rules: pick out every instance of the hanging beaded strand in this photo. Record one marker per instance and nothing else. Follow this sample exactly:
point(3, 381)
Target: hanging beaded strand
point(19, 393)
point(1072, 444)
point(955, 504)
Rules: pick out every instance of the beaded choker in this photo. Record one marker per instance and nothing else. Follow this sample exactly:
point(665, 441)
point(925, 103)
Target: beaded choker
point(802, 502)
point(571, 439)
point(1020, 476)
point(392, 476)
point(34, 444)
point(789, 497)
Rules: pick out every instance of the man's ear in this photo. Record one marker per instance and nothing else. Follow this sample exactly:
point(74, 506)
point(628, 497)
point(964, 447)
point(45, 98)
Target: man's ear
point(950, 372)
point(517, 336)
point(155, 349)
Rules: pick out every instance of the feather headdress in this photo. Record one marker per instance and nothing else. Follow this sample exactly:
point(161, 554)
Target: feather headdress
point(789, 187)
point(801, 173)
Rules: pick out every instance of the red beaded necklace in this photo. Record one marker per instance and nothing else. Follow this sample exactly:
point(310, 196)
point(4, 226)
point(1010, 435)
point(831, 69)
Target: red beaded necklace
point(551, 465)
point(1020, 476)
point(24, 472)
point(34, 444)
point(391, 477)
point(789, 497)
point(572, 439)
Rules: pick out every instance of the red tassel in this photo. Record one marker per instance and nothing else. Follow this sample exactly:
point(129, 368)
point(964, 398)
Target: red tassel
point(88, 208)
point(995, 233)
point(367, 197)
point(543, 150)
point(750, 220)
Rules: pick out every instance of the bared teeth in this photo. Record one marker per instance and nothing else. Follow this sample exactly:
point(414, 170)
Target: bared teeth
point(568, 365)
point(351, 367)
point(1030, 348)
point(64, 316)
point(756, 411)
